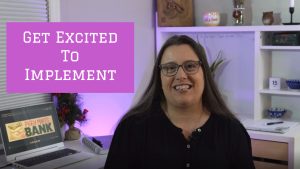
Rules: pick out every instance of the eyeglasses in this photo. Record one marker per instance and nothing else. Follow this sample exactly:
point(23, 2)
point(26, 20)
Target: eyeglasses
point(171, 69)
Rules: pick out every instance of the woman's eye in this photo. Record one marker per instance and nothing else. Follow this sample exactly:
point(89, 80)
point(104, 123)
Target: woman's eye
point(190, 66)
point(171, 68)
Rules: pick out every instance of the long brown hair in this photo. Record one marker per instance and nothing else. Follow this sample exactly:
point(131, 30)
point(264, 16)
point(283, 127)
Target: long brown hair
point(153, 95)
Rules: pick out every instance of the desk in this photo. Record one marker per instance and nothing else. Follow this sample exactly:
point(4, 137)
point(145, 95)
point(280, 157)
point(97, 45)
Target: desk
point(96, 162)
point(282, 149)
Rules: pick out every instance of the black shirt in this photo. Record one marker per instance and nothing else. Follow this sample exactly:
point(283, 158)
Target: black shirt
point(153, 142)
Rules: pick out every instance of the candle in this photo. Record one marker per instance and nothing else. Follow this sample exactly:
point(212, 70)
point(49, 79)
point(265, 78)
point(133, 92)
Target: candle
point(292, 3)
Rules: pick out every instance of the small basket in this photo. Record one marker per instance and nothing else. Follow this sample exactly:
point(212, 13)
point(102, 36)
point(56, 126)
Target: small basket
point(276, 112)
point(293, 84)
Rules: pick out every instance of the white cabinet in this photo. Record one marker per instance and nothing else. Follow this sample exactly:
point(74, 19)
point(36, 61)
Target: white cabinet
point(244, 81)
point(276, 61)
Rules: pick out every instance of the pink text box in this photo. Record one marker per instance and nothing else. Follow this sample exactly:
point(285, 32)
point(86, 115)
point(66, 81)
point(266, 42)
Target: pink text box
point(70, 57)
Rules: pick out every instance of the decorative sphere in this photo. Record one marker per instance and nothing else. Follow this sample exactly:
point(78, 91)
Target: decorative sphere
point(211, 18)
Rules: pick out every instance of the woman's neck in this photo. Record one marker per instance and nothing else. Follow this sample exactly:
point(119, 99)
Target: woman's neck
point(187, 112)
point(187, 118)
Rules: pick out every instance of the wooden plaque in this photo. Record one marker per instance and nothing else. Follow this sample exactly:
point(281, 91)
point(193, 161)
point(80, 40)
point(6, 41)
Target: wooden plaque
point(175, 12)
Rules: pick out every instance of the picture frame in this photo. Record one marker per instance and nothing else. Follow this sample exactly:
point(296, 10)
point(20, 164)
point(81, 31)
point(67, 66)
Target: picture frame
point(175, 13)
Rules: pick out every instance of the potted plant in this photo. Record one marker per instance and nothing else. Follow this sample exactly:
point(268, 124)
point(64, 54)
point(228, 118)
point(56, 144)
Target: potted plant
point(68, 106)
point(216, 63)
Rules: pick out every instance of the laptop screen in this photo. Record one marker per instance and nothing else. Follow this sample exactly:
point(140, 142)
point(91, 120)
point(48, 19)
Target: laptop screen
point(29, 127)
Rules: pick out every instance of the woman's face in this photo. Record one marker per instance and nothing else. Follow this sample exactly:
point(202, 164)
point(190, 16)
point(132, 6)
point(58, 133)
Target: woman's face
point(182, 89)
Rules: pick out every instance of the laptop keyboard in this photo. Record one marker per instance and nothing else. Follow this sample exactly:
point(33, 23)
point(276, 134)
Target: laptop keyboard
point(47, 157)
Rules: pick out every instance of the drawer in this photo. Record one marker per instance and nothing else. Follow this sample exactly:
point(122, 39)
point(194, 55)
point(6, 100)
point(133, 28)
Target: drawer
point(266, 165)
point(270, 149)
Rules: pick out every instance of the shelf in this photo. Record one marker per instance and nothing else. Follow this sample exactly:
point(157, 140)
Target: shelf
point(229, 28)
point(281, 92)
point(280, 47)
point(208, 29)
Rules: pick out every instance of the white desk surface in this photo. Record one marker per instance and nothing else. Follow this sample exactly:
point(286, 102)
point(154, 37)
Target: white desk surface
point(96, 162)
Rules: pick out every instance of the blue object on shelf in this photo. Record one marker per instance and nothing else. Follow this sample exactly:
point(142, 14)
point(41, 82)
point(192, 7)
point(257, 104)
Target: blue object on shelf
point(276, 112)
point(293, 84)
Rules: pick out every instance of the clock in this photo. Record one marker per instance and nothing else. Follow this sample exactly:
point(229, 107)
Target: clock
point(274, 83)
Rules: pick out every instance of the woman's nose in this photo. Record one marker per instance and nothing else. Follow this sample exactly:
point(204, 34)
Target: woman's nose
point(181, 74)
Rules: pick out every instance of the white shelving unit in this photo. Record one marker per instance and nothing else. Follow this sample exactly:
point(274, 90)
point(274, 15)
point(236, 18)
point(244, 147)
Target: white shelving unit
point(263, 61)
point(275, 61)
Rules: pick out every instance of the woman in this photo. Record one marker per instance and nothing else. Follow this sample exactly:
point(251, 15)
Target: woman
point(181, 120)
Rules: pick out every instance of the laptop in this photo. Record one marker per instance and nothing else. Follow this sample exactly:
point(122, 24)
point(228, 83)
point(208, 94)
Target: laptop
point(31, 138)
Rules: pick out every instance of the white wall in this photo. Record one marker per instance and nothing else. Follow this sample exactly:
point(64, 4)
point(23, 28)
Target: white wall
point(106, 109)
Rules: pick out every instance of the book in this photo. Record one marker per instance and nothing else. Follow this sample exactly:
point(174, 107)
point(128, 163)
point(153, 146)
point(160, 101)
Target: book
point(269, 125)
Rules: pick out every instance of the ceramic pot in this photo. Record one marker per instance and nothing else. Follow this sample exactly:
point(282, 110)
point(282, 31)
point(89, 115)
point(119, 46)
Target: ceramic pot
point(268, 18)
point(73, 133)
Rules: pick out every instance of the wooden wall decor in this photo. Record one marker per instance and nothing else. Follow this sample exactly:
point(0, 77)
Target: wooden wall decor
point(175, 12)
